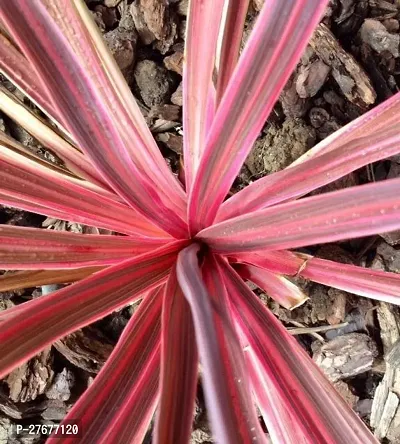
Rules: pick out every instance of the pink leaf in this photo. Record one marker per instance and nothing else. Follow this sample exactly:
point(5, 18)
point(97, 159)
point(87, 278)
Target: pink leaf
point(272, 406)
point(277, 287)
point(315, 406)
point(210, 107)
point(34, 278)
point(119, 404)
point(231, 41)
point(24, 248)
point(73, 159)
point(16, 68)
point(280, 262)
point(87, 113)
point(226, 388)
point(261, 73)
point(136, 133)
point(352, 212)
point(9, 143)
point(377, 119)
point(200, 50)
point(30, 186)
point(375, 284)
point(313, 173)
point(27, 328)
point(179, 368)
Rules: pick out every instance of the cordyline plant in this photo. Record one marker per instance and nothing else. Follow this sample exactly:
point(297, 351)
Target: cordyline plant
point(185, 252)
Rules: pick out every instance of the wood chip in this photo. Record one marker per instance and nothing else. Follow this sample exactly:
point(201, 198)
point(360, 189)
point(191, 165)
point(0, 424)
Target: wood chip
point(392, 238)
point(390, 256)
point(325, 305)
point(383, 9)
point(111, 3)
point(257, 4)
point(182, 8)
point(389, 322)
point(165, 112)
point(375, 34)
point(346, 356)
point(61, 387)
point(18, 410)
point(385, 413)
point(88, 349)
point(6, 429)
point(173, 141)
point(122, 44)
point(176, 97)
point(351, 78)
point(292, 104)
point(346, 393)
point(154, 20)
point(32, 378)
point(5, 303)
point(311, 78)
point(199, 436)
point(174, 62)
point(55, 410)
point(384, 405)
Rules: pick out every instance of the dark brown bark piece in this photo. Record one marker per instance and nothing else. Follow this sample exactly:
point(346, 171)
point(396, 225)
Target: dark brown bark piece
point(32, 378)
point(292, 104)
point(155, 21)
point(88, 349)
point(311, 78)
point(174, 62)
point(344, 389)
point(122, 44)
point(173, 141)
point(165, 112)
point(351, 78)
point(176, 97)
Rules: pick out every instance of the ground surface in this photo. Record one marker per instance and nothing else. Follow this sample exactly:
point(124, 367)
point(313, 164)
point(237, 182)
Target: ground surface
point(351, 65)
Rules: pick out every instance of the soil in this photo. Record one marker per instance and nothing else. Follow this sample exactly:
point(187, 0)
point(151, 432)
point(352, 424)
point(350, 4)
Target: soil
point(351, 64)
